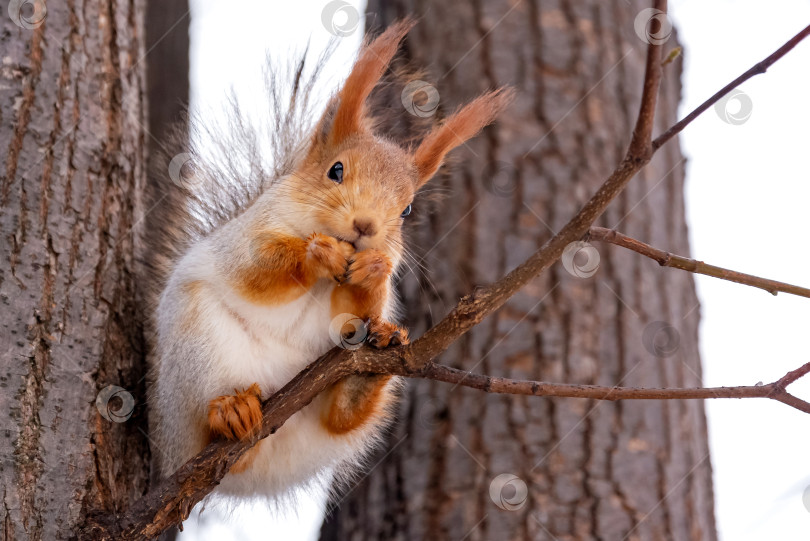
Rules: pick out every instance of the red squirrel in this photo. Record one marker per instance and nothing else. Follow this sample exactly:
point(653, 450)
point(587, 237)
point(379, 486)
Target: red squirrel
point(248, 302)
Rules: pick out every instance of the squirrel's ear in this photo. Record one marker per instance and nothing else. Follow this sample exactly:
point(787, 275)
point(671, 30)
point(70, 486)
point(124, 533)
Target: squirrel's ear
point(457, 129)
point(345, 114)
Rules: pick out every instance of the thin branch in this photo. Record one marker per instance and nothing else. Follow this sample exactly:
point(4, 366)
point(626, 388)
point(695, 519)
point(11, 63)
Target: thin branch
point(792, 376)
point(760, 67)
point(667, 259)
point(640, 143)
point(170, 502)
point(490, 384)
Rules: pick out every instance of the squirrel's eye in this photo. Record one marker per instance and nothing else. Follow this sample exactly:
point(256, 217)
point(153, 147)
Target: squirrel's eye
point(336, 172)
point(406, 211)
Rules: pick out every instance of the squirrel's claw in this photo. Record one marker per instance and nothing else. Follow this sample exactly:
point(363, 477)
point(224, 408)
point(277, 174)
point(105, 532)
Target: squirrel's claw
point(329, 256)
point(368, 269)
point(383, 334)
point(396, 339)
point(347, 274)
point(237, 416)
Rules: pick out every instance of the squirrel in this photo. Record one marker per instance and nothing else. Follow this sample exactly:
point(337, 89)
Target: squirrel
point(256, 274)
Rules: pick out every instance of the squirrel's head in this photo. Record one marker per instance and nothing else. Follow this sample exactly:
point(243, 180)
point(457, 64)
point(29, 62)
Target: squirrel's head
point(358, 186)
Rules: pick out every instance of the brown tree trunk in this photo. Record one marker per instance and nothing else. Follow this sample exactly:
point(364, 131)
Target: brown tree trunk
point(72, 111)
point(623, 470)
point(167, 65)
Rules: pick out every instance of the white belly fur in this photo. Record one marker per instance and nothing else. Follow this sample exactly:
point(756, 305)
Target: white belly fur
point(239, 344)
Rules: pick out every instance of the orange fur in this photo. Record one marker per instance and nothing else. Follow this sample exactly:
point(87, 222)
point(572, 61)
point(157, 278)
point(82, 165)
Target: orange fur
point(457, 129)
point(282, 267)
point(382, 334)
point(236, 417)
point(357, 400)
point(371, 64)
point(378, 183)
point(369, 270)
point(365, 289)
point(351, 299)
point(327, 257)
point(354, 401)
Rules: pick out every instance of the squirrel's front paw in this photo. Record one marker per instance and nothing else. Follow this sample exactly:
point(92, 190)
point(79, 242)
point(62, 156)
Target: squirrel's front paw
point(369, 269)
point(236, 416)
point(329, 255)
point(382, 334)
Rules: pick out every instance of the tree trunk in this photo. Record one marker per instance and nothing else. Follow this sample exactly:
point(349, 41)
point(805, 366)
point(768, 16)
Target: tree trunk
point(71, 127)
point(167, 40)
point(590, 470)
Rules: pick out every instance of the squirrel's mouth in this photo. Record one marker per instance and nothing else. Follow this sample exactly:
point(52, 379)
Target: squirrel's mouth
point(358, 242)
point(352, 242)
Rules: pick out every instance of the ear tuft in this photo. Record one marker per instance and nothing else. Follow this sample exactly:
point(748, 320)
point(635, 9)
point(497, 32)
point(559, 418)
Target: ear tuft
point(457, 129)
point(369, 67)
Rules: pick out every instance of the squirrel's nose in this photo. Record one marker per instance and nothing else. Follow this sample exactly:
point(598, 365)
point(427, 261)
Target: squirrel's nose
point(364, 227)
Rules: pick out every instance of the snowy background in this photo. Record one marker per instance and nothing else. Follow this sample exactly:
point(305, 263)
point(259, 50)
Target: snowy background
point(748, 189)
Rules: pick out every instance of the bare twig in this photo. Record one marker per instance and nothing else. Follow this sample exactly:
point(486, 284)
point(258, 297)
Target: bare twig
point(760, 67)
point(666, 259)
point(170, 502)
point(774, 391)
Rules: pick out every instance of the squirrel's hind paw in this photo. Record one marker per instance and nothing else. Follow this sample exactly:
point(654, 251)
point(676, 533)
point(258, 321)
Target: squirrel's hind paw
point(236, 416)
point(382, 334)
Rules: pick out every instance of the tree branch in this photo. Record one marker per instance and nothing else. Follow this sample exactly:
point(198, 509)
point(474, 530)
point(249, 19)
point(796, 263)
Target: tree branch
point(170, 502)
point(760, 67)
point(666, 259)
point(490, 384)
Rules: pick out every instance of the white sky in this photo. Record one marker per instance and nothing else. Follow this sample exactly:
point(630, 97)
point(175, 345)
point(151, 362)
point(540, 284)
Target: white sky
point(748, 188)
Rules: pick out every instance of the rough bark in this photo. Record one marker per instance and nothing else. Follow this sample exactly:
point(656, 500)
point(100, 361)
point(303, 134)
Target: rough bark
point(72, 110)
point(635, 470)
